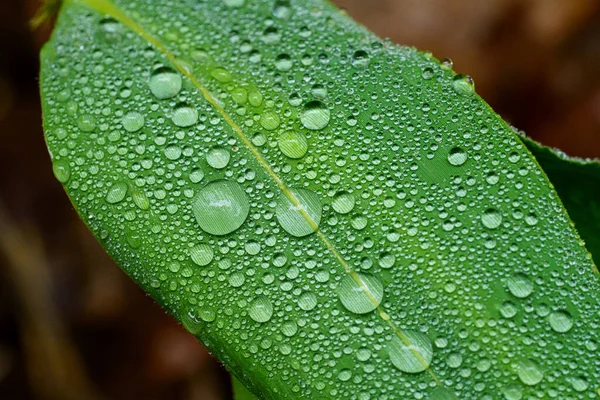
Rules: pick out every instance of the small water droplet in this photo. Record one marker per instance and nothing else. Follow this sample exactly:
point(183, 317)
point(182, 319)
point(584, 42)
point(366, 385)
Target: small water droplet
point(360, 297)
point(164, 83)
point(463, 85)
point(221, 75)
point(220, 207)
point(260, 309)
point(315, 115)
point(360, 59)
point(218, 157)
point(270, 120)
point(301, 219)
point(412, 352)
point(62, 170)
point(283, 63)
point(293, 144)
point(234, 3)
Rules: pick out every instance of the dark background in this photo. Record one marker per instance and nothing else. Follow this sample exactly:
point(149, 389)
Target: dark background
point(73, 326)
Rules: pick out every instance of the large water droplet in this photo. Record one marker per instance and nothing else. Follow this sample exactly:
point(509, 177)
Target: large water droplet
point(457, 156)
point(218, 157)
point(184, 115)
point(116, 193)
point(299, 219)
point(293, 144)
point(519, 286)
point(62, 170)
point(315, 115)
point(260, 309)
point(560, 321)
point(463, 85)
point(133, 121)
point(220, 207)
point(361, 293)
point(165, 83)
point(529, 372)
point(201, 254)
point(343, 202)
point(411, 352)
point(491, 218)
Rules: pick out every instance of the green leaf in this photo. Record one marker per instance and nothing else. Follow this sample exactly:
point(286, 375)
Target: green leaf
point(240, 392)
point(334, 216)
point(577, 182)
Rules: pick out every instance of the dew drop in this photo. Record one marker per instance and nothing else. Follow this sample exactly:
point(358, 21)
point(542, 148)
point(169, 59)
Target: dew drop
point(184, 115)
point(283, 63)
point(293, 144)
point(201, 254)
point(270, 120)
point(360, 297)
point(61, 170)
point(116, 193)
point(412, 352)
point(491, 218)
point(457, 156)
point(343, 202)
point(560, 321)
point(132, 121)
point(164, 83)
point(360, 59)
point(307, 301)
point(463, 85)
point(520, 286)
point(234, 3)
point(260, 309)
point(529, 372)
point(221, 75)
point(315, 115)
point(221, 207)
point(218, 157)
point(301, 219)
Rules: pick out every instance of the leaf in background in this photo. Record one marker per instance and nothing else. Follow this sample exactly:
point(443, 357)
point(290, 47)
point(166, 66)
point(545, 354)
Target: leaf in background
point(577, 182)
point(239, 391)
point(333, 216)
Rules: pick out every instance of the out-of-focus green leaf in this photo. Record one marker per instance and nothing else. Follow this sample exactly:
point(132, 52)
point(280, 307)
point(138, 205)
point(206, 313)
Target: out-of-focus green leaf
point(240, 392)
point(334, 216)
point(577, 182)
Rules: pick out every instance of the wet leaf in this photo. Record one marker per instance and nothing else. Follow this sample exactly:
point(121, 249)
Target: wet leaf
point(333, 216)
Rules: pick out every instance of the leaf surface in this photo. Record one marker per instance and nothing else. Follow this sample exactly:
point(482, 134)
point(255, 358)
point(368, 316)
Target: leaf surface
point(334, 216)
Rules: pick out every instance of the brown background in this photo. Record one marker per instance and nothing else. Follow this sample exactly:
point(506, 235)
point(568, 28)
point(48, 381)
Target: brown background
point(72, 326)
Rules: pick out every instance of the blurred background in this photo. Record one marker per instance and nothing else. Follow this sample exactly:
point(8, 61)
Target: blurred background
point(73, 326)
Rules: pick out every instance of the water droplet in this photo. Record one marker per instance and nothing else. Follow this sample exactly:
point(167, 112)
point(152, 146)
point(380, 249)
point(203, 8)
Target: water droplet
point(133, 121)
point(560, 321)
point(411, 352)
point(428, 73)
point(61, 170)
point(86, 122)
point(220, 207)
point(282, 9)
point(343, 202)
point(302, 219)
point(387, 260)
point(218, 157)
point(201, 254)
point(196, 175)
point(315, 115)
point(529, 372)
point(307, 301)
point(360, 59)
point(463, 85)
point(260, 309)
point(184, 115)
point(293, 144)
point(270, 120)
point(519, 286)
point(164, 83)
point(491, 218)
point(508, 309)
point(283, 62)
point(360, 297)
point(457, 156)
point(221, 75)
point(579, 384)
point(116, 193)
